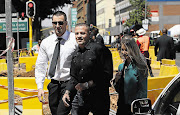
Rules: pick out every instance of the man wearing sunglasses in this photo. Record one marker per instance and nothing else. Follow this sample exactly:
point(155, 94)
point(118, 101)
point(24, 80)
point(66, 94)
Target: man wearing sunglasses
point(57, 49)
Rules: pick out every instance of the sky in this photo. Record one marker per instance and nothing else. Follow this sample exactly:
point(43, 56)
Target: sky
point(47, 22)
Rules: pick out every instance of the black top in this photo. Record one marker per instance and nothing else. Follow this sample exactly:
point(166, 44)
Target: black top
point(166, 47)
point(94, 62)
point(99, 39)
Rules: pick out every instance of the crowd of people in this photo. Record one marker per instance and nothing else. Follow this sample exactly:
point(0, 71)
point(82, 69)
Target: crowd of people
point(81, 69)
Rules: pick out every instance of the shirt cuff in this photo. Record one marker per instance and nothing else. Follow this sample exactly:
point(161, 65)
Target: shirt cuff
point(40, 86)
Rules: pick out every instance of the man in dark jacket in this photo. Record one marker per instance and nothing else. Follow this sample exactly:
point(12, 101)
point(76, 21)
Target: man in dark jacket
point(91, 71)
point(96, 36)
point(166, 47)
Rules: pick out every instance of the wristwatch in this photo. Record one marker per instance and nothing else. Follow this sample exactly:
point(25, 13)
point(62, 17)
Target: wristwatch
point(86, 85)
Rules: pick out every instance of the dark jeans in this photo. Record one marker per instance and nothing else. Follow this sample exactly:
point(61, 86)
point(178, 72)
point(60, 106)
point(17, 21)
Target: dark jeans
point(56, 91)
point(86, 102)
point(124, 109)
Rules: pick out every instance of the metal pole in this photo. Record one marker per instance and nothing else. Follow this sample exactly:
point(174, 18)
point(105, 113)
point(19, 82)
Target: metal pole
point(30, 34)
point(18, 37)
point(119, 22)
point(8, 9)
point(145, 9)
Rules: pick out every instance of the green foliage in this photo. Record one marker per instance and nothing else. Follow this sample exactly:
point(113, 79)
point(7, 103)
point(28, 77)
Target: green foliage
point(138, 14)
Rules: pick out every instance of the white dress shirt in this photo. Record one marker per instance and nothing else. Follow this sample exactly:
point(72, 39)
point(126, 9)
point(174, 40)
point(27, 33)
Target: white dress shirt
point(67, 46)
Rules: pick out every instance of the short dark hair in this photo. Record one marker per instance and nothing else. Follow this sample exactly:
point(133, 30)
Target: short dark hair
point(164, 31)
point(59, 13)
point(96, 30)
point(83, 24)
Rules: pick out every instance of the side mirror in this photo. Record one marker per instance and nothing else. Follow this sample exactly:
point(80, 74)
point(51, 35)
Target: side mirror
point(142, 106)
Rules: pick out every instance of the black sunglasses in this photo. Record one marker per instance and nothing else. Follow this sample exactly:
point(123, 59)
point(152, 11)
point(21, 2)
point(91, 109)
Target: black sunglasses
point(60, 23)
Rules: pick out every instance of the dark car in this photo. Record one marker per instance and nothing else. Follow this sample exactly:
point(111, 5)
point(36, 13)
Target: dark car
point(167, 103)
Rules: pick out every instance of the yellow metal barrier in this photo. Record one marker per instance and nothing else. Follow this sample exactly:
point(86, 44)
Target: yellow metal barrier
point(168, 67)
point(154, 63)
point(155, 86)
point(113, 49)
point(29, 61)
point(3, 67)
point(35, 54)
point(116, 59)
point(30, 102)
point(168, 70)
point(2, 60)
point(168, 62)
point(33, 106)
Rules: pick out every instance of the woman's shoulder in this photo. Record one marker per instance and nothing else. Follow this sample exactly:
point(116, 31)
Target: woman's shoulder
point(121, 66)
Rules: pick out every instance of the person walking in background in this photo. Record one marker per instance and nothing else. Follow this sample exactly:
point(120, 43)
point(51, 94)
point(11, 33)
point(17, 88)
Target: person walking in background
point(96, 36)
point(35, 49)
point(143, 43)
point(131, 80)
point(91, 71)
point(118, 40)
point(166, 47)
point(57, 49)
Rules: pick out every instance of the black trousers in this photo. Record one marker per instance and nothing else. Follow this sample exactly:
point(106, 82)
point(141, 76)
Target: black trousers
point(56, 92)
point(124, 109)
point(90, 101)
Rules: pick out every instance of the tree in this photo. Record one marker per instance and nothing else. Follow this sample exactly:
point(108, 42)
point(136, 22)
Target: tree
point(138, 12)
point(44, 8)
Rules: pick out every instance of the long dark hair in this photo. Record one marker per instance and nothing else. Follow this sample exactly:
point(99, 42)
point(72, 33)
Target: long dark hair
point(135, 55)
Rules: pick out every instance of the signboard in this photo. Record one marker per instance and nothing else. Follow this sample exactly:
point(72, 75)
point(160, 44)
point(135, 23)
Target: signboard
point(73, 17)
point(145, 23)
point(4, 15)
point(154, 16)
point(23, 25)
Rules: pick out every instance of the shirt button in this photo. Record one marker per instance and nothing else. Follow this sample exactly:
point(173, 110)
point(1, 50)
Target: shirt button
point(82, 69)
point(82, 77)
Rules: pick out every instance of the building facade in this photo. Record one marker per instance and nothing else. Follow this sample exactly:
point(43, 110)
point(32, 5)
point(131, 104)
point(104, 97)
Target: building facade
point(82, 11)
point(105, 15)
point(164, 14)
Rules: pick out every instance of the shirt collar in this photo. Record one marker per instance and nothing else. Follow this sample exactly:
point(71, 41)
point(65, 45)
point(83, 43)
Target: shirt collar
point(65, 36)
point(97, 34)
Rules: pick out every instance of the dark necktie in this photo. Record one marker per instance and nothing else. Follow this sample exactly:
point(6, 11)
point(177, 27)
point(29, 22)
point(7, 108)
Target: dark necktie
point(54, 59)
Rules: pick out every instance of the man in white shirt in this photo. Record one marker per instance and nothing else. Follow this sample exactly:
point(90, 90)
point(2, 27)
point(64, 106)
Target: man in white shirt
point(61, 75)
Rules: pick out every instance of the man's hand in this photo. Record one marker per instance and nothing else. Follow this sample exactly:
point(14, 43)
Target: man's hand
point(66, 98)
point(81, 86)
point(40, 95)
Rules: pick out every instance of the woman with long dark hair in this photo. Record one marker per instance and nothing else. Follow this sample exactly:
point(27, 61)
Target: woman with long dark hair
point(131, 79)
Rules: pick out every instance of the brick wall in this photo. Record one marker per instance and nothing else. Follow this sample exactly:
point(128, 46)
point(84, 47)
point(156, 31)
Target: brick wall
point(154, 7)
point(168, 26)
point(153, 27)
point(171, 10)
